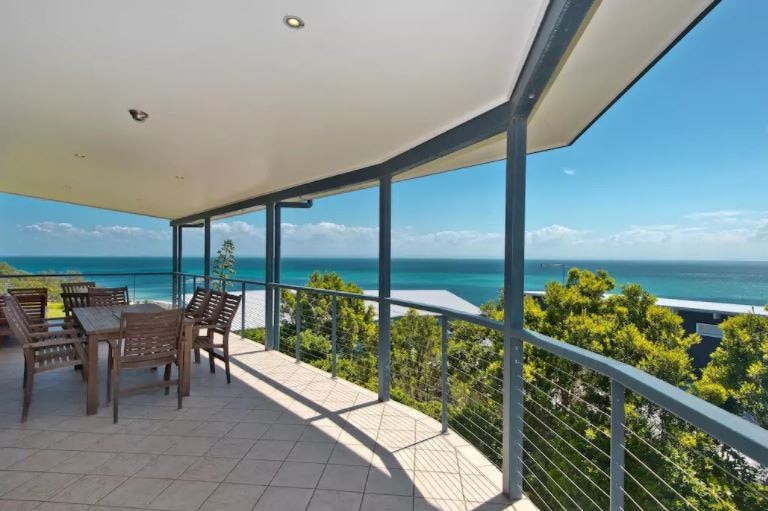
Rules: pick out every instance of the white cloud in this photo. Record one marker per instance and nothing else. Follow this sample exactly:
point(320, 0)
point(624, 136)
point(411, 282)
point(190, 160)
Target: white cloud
point(100, 232)
point(237, 227)
point(569, 172)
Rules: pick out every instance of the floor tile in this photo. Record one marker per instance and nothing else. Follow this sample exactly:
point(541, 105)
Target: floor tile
point(136, 492)
point(431, 504)
point(164, 466)
point(343, 477)
point(332, 500)
point(284, 432)
point(438, 485)
point(42, 486)
point(233, 497)
point(84, 463)
point(315, 452)
point(11, 479)
point(183, 495)
point(124, 464)
point(251, 430)
point(284, 499)
point(271, 450)
point(298, 474)
point(89, 489)
point(17, 505)
point(389, 481)
point(254, 472)
point(375, 502)
point(11, 455)
point(209, 469)
point(42, 461)
point(358, 455)
point(192, 446)
point(231, 447)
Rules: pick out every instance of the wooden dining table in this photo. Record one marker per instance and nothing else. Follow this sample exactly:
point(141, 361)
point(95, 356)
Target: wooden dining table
point(102, 324)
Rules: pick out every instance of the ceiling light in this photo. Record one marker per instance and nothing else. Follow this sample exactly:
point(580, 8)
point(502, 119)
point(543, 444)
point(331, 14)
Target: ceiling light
point(181, 178)
point(293, 22)
point(138, 115)
point(80, 155)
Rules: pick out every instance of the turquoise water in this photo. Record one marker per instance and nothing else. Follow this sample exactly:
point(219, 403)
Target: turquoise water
point(475, 280)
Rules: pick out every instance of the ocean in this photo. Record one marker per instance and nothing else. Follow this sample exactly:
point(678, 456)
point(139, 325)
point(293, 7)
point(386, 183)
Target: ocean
point(475, 280)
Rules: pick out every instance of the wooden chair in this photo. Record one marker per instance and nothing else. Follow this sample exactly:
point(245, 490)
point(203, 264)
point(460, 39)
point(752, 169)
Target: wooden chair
point(198, 303)
point(107, 296)
point(34, 300)
point(32, 321)
point(5, 328)
point(43, 351)
point(147, 340)
point(76, 287)
point(74, 300)
point(218, 322)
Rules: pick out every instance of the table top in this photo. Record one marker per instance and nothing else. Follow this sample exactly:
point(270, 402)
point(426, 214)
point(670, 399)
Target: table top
point(106, 320)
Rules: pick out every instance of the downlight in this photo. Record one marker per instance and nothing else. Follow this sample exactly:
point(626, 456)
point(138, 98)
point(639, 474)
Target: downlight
point(293, 22)
point(138, 115)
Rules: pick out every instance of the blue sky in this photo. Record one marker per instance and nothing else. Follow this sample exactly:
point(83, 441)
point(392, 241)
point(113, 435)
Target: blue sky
point(677, 169)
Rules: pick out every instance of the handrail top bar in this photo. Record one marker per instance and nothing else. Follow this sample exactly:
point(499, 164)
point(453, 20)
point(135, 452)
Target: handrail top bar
point(732, 430)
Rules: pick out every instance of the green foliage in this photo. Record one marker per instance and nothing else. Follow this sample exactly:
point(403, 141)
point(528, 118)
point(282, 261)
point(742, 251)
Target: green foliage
point(224, 264)
point(52, 284)
point(737, 374)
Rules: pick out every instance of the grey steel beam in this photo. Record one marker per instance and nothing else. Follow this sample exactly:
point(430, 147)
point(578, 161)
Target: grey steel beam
point(486, 125)
point(278, 254)
point(207, 251)
point(269, 274)
point(514, 257)
point(278, 237)
point(385, 280)
point(175, 266)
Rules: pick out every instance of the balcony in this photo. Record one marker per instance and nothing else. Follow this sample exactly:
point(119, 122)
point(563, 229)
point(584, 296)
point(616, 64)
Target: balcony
point(282, 436)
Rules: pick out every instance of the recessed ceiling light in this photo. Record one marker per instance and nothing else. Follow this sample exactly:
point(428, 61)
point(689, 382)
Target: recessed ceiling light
point(179, 177)
point(79, 155)
point(293, 22)
point(138, 115)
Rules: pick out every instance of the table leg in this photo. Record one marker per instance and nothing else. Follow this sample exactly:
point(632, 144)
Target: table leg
point(186, 360)
point(93, 375)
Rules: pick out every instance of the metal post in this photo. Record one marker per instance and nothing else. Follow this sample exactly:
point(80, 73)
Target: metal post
point(207, 251)
point(444, 373)
point(298, 326)
point(175, 266)
point(242, 309)
point(333, 336)
point(270, 252)
point(617, 446)
point(385, 273)
point(180, 265)
point(514, 257)
point(276, 277)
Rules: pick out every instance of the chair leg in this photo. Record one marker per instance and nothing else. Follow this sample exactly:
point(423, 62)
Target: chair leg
point(180, 381)
point(226, 360)
point(212, 360)
point(109, 374)
point(167, 377)
point(115, 390)
point(197, 355)
point(29, 378)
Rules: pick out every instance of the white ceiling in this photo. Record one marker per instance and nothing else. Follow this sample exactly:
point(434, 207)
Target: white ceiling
point(240, 105)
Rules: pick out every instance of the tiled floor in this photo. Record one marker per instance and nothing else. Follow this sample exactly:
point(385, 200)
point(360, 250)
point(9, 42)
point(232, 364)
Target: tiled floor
point(283, 436)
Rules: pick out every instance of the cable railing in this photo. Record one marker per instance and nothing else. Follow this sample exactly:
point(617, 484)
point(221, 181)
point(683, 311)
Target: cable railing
point(596, 433)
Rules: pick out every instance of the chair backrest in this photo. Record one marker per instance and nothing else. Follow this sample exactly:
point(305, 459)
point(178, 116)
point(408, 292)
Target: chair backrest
point(76, 287)
point(227, 311)
point(17, 320)
point(107, 296)
point(32, 299)
point(146, 337)
point(73, 300)
point(197, 304)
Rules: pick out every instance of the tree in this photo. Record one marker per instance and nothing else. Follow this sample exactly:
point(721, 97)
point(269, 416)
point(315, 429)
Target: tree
point(224, 264)
point(736, 377)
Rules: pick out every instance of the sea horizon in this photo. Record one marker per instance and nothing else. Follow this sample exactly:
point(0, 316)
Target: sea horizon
point(476, 280)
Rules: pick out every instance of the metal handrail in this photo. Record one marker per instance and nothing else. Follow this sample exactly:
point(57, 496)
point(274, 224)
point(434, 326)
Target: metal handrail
point(730, 429)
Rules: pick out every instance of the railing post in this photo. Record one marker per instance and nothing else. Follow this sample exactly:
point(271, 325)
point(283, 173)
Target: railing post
point(617, 446)
point(444, 373)
point(194, 282)
point(242, 309)
point(269, 274)
point(298, 326)
point(385, 274)
point(514, 272)
point(333, 336)
point(134, 288)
